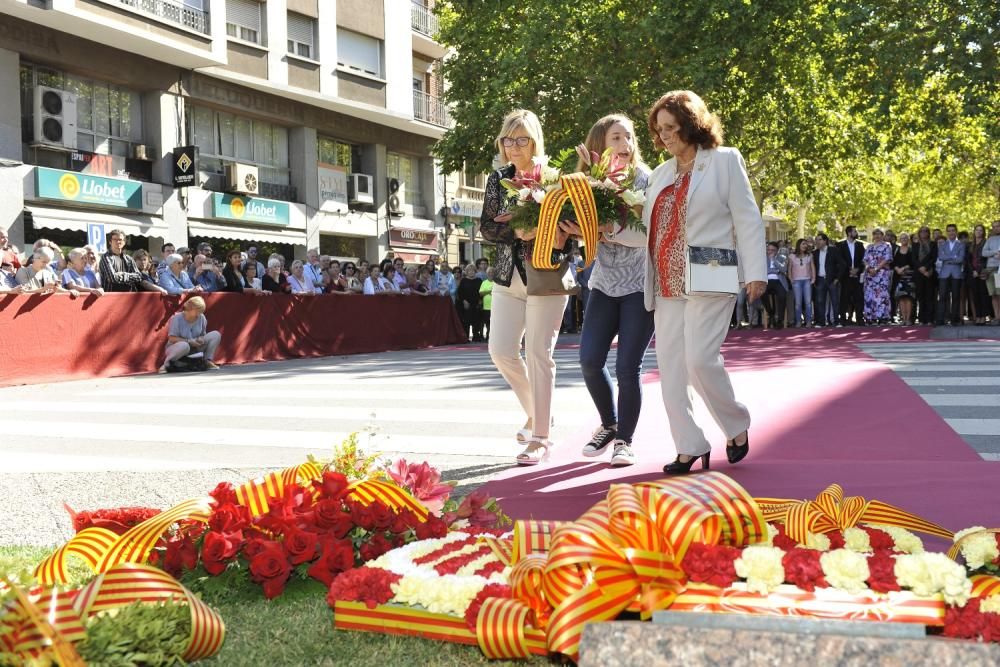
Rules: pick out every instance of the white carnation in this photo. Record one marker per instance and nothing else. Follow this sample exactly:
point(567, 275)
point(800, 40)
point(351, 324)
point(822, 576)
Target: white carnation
point(634, 197)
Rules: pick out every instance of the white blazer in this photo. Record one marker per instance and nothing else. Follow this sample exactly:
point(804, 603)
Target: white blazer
point(720, 208)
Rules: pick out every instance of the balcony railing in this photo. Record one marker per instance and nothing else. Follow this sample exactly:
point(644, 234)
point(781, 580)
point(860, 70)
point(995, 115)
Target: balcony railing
point(430, 109)
point(173, 11)
point(422, 19)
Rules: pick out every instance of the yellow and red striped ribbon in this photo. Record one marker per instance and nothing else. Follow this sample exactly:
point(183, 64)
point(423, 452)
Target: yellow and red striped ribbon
point(41, 620)
point(575, 188)
point(624, 553)
point(396, 497)
point(61, 624)
point(830, 511)
point(256, 494)
point(985, 585)
point(101, 549)
point(131, 582)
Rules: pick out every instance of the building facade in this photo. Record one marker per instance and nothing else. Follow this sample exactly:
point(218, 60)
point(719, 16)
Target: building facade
point(297, 124)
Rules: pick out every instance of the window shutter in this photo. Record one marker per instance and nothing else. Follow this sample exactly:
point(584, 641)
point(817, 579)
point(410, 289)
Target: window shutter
point(359, 51)
point(301, 28)
point(244, 13)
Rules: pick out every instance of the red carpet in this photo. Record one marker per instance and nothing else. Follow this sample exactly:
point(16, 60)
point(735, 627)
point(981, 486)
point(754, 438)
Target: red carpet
point(823, 412)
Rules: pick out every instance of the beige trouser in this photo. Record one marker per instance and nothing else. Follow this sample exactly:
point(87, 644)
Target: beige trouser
point(689, 335)
point(536, 319)
point(182, 349)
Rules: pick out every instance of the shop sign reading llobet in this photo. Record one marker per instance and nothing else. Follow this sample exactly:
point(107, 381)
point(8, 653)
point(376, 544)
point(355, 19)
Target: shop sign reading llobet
point(80, 188)
point(250, 209)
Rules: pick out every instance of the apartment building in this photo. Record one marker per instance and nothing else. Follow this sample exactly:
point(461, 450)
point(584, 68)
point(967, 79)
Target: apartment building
point(294, 123)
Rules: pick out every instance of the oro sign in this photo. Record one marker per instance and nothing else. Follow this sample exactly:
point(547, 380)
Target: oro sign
point(69, 186)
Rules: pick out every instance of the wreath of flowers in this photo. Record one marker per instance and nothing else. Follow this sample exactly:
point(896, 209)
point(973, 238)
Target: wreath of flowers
point(443, 576)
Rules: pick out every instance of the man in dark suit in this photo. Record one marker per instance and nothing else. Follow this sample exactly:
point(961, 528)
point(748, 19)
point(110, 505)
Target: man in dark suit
point(830, 267)
point(852, 300)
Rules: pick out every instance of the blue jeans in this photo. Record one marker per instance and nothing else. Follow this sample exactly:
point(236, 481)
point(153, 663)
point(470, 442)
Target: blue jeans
point(803, 297)
point(604, 317)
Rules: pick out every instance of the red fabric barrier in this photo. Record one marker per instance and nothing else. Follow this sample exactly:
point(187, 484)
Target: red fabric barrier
point(54, 337)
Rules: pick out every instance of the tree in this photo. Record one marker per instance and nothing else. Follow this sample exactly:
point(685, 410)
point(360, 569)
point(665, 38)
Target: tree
point(842, 104)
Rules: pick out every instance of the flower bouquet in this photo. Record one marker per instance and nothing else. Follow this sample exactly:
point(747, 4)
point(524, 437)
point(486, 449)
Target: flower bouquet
point(611, 180)
point(526, 191)
point(613, 183)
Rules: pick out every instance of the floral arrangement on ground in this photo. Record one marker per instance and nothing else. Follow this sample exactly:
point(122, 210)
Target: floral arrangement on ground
point(313, 521)
point(455, 587)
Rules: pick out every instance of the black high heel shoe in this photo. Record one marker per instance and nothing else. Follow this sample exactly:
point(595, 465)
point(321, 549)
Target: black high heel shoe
point(736, 453)
point(678, 467)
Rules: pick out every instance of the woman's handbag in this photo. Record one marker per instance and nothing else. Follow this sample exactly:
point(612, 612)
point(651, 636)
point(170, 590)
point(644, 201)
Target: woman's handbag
point(712, 271)
point(560, 282)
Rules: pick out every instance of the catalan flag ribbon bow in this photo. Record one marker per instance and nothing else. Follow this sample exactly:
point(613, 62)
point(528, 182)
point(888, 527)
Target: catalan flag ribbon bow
point(624, 554)
point(830, 511)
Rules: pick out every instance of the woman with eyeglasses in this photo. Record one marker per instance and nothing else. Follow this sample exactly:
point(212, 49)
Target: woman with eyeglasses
point(515, 314)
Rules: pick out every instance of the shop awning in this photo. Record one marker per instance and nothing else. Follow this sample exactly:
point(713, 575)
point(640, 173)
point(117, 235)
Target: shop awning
point(76, 220)
point(241, 233)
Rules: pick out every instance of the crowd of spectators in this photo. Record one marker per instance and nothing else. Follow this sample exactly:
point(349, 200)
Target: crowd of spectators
point(938, 278)
point(181, 271)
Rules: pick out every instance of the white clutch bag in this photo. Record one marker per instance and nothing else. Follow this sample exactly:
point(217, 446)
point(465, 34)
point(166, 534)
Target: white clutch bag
point(712, 271)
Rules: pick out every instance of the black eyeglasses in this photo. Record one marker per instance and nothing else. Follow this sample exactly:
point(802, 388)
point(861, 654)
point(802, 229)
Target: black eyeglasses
point(522, 142)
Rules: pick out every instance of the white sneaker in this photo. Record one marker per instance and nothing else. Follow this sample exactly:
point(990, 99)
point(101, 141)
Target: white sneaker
point(599, 441)
point(622, 455)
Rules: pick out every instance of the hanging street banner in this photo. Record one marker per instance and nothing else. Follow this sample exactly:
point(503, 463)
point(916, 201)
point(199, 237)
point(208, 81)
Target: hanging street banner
point(78, 188)
point(241, 208)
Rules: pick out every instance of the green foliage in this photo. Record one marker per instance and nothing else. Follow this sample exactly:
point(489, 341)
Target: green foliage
point(138, 634)
point(351, 460)
point(873, 113)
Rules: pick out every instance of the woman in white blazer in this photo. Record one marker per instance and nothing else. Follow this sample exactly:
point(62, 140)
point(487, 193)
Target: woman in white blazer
point(700, 198)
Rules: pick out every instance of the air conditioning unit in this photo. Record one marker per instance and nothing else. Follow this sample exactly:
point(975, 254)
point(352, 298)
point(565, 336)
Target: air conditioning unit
point(242, 178)
point(55, 117)
point(361, 189)
point(396, 200)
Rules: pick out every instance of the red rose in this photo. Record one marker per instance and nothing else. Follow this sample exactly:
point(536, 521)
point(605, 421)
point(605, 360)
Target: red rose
point(218, 549)
point(362, 516)
point(270, 568)
point(330, 515)
point(224, 494)
point(337, 556)
point(229, 518)
point(882, 567)
point(375, 547)
point(382, 516)
point(300, 546)
point(709, 564)
point(803, 569)
point(432, 527)
point(333, 485)
point(880, 540)
point(181, 554)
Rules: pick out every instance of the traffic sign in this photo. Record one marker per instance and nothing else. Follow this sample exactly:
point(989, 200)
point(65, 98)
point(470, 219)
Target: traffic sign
point(96, 237)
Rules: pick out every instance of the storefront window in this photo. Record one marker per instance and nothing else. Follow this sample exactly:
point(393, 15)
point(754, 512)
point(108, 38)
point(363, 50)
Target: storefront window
point(223, 137)
point(342, 246)
point(108, 117)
